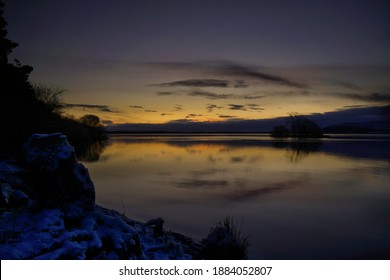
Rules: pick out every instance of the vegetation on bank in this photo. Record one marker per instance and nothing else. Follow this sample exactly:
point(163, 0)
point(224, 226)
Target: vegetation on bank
point(225, 242)
point(298, 126)
point(27, 108)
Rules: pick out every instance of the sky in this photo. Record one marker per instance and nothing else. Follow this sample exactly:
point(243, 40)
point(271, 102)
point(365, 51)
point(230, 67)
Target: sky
point(153, 62)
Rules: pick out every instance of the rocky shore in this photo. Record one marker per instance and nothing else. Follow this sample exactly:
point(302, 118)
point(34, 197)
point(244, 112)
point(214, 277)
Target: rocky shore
point(48, 211)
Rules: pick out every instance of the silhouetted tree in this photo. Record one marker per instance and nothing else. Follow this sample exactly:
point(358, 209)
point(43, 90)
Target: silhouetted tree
point(16, 94)
point(50, 96)
point(94, 126)
point(299, 126)
point(6, 45)
point(91, 120)
point(280, 131)
point(27, 108)
point(302, 127)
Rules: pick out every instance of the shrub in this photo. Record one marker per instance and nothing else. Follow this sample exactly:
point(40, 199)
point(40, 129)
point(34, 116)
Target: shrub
point(225, 242)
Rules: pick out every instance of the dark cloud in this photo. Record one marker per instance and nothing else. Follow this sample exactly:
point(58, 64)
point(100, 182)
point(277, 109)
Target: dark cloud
point(227, 117)
point(227, 68)
point(253, 96)
point(372, 97)
point(150, 111)
point(178, 107)
point(102, 108)
point(347, 85)
point(234, 69)
point(254, 107)
point(205, 83)
point(246, 107)
point(240, 84)
point(210, 95)
point(211, 107)
point(237, 107)
point(353, 106)
point(166, 93)
point(166, 114)
point(180, 121)
point(190, 116)
point(136, 107)
point(196, 83)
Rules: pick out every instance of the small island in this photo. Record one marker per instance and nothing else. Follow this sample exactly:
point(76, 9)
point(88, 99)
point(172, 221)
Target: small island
point(298, 126)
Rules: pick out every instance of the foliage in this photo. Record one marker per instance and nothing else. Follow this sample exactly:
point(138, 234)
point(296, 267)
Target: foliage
point(225, 242)
point(94, 126)
point(280, 131)
point(302, 127)
point(91, 120)
point(50, 96)
point(299, 126)
point(27, 108)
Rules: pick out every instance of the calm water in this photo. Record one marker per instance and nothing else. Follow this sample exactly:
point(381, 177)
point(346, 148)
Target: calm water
point(308, 200)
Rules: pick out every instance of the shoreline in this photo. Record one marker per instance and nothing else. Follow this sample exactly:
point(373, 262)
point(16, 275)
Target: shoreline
point(48, 211)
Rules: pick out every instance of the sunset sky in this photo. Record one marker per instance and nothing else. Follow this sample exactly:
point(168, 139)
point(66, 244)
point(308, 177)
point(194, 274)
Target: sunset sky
point(162, 61)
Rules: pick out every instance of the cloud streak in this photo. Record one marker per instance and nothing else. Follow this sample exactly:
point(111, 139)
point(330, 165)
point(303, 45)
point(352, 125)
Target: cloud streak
point(371, 97)
point(190, 116)
point(166, 93)
point(204, 83)
point(102, 108)
point(210, 95)
point(230, 69)
point(246, 107)
point(226, 116)
point(211, 107)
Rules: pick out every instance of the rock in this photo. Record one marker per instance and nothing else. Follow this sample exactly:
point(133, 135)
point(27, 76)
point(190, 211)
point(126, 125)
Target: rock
point(18, 199)
point(157, 225)
point(5, 193)
point(60, 177)
point(57, 217)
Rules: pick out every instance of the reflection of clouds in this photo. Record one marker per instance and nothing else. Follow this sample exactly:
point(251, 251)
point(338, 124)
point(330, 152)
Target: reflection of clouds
point(193, 150)
point(225, 150)
point(196, 183)
point(164, 173)
point(213, 159)
point(255, 159)
point(178, 158)
point(242, 192)
point(237, 159)
point(206, 172)
point(136, 160)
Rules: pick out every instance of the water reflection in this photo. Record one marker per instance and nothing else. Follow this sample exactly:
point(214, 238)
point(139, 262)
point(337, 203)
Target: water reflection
point(91, 152)
point(296, 151)
point(298, 200)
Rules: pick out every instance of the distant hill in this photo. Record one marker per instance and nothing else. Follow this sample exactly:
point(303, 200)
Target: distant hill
point(360, 127)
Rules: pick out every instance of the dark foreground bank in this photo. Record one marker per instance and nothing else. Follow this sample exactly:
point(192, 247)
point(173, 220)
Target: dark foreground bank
point(48, 211)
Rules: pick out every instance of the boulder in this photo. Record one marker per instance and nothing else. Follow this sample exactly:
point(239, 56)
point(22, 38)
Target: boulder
point(60, 177)
point(18, 199)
